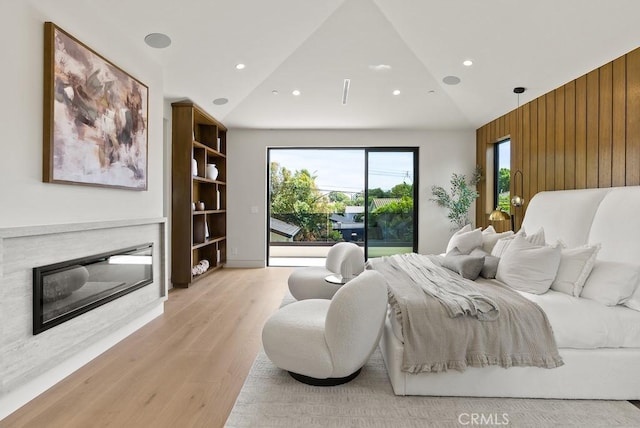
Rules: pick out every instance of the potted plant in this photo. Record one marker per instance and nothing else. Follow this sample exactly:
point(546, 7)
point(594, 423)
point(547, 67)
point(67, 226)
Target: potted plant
point(459, 199)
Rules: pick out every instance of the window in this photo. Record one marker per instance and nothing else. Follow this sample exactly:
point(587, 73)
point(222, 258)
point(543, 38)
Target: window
point(502, 175)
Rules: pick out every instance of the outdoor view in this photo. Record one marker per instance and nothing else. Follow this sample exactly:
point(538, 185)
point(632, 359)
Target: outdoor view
point(317, 198)
point(503, 175)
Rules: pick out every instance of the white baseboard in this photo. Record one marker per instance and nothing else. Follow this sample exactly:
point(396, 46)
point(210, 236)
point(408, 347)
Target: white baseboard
point(17, 398)
point(245, 264)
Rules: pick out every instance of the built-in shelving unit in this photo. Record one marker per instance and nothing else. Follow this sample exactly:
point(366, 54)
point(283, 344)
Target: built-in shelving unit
point(197, 234)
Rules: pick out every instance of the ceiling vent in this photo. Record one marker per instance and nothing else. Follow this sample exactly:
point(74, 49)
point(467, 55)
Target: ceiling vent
point(345, 90)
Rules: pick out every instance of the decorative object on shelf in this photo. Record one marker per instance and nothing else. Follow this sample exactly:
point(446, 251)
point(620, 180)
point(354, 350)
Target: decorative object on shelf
point(193, 206)
point(206, 231)
point(84, 142)
point(218, 257)
point(212, 171)
point(218, 144)
point(194, 167)
point(200, 268)
point(200, 206)
point(218, 200)
point(461, 197)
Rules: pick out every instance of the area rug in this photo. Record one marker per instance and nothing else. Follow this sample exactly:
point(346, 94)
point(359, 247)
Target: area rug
point(271, 398)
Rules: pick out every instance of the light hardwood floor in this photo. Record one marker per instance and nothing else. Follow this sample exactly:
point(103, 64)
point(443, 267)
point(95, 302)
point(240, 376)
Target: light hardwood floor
point(183, 369)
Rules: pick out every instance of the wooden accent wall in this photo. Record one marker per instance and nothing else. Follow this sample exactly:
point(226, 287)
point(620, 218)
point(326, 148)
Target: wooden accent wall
point(585, 134)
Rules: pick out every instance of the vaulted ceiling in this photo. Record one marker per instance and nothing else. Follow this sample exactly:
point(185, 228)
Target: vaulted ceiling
point(381, 46)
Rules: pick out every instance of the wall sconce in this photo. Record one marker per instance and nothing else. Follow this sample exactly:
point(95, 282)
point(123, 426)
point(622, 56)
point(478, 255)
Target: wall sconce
point(518, 201)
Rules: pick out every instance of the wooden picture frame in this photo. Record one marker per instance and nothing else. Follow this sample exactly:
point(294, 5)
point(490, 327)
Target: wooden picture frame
point(95, 117)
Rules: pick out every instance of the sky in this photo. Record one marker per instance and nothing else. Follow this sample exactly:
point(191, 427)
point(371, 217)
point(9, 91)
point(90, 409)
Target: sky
point(504, 158)
point(343, 169)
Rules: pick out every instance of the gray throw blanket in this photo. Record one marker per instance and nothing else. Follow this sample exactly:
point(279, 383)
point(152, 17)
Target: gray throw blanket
point(452, 291)
point(448, 331)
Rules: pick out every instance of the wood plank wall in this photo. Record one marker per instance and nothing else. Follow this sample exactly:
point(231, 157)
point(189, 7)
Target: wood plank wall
point(584, 134)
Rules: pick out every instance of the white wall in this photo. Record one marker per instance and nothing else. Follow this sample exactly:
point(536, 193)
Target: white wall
point(441, 153)
point(24, 198)
point(26, 201)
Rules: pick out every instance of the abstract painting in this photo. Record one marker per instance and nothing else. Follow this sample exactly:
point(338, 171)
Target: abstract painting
point(95, 117)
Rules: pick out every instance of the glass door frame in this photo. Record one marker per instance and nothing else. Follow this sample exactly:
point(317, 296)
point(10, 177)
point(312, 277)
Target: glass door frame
point(415, 187)
point(366, 151)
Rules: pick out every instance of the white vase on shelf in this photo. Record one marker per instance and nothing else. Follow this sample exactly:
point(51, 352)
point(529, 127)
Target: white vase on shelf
point(212, 171)
point(194, 167)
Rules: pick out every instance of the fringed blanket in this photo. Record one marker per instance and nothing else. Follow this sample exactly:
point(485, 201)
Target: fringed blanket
point(457, 324)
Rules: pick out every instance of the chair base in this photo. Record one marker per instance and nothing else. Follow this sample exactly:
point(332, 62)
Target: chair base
point(331, 381)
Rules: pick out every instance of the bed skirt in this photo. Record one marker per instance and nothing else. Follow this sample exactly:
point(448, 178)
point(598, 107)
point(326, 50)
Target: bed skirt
point(612, 374)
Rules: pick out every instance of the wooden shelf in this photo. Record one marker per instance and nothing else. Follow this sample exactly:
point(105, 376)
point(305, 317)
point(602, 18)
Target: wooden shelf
point(209, 212)
point(210, 241)
point(207, 273)
point(197, 136)
point(209, 150)
point(207, 180)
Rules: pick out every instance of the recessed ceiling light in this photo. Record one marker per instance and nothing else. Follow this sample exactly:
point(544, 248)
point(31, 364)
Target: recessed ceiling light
point(240, 66)
point(380, 67)
point(275, 92)
point(295, 92)
point(451, 80)
point(431, 91)
point(396, 92)
point(220, 101)
point(157, 40)
point(467, 62)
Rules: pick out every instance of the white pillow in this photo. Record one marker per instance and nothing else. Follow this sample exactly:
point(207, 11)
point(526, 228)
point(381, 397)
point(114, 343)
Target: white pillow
point(528, 267)
point(575, 266)
point(537, 238)
point(503, 243)
point(490, 237)
point(611, 283)
point(466, 239)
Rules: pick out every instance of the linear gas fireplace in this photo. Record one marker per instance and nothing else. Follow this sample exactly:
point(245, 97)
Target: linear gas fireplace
point(65, 290)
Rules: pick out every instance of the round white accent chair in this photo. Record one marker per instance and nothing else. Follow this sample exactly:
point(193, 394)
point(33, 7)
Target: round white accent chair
point(326, 342)
point(344, 259)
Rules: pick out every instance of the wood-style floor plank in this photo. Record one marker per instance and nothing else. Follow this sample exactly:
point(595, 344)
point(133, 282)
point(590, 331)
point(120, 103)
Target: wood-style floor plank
point(184, 369)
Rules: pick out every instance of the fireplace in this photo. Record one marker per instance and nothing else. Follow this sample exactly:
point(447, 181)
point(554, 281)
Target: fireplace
point(62, 291)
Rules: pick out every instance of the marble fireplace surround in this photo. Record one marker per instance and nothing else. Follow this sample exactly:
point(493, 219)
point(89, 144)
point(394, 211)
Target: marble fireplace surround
point(30, 364)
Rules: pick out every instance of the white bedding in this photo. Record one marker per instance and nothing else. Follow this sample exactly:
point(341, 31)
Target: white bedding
point(580, 323)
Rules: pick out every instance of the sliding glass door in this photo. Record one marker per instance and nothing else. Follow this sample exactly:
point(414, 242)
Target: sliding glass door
point(391, 193)
point(320, 196)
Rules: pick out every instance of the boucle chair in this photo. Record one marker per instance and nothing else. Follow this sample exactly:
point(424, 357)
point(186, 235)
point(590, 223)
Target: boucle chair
point(326, 342)
point(344, 258)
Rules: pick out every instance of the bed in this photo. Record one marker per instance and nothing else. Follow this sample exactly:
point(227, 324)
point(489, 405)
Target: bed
point(599, 344)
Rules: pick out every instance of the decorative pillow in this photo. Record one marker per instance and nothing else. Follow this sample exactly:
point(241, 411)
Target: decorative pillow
point(611, 283)
point(575, 266)
point(528, 267)
point(536, 238)
point(503, 243)
point(467, 266)
point(466, 239)
point(490, 266)
point(490, 237)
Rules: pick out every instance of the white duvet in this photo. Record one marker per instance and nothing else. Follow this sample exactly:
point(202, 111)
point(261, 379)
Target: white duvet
point(586, 324)
point(581, 323)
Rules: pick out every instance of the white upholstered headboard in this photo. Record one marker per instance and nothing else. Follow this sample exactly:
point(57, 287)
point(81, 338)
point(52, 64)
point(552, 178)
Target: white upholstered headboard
point(609, 216)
